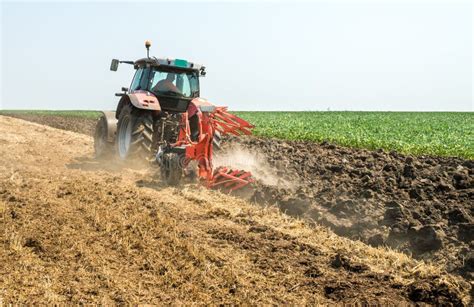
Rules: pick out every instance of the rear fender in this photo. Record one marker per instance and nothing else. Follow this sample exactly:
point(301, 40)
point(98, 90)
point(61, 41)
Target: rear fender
point(111, 125)
point(144, 100)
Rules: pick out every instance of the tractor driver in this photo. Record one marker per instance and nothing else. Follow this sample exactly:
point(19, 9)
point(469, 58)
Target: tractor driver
point(167, 84)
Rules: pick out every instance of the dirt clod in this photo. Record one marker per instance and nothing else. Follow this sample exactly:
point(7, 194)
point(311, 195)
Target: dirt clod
point(426, 238)
point(341, 261)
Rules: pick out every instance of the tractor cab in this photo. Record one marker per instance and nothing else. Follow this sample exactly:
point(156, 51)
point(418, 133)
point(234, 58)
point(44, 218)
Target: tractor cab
point(174, 82)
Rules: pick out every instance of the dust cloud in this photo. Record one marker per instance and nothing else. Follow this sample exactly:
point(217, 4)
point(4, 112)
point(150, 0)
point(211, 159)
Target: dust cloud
point(253, 160)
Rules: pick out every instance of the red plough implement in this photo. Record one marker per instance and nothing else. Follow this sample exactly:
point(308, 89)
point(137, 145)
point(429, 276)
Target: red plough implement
point(224, 122)
point(230, 179)
point(212, 123)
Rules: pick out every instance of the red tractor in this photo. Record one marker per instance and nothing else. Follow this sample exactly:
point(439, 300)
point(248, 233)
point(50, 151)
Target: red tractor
point(161, 118)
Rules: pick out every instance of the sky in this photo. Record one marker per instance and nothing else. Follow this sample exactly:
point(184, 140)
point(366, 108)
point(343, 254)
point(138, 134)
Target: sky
point(285, 55)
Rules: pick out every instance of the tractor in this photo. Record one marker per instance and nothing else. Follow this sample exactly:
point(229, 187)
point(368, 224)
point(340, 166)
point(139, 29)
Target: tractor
point(161, 118)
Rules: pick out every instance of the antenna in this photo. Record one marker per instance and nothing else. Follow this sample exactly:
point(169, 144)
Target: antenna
point(147, 45)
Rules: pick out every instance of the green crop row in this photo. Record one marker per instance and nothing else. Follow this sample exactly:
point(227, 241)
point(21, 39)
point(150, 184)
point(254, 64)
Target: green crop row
point(419, 133)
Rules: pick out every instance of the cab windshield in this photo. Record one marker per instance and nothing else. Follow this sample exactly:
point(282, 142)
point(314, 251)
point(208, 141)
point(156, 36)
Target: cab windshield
point(174, 83)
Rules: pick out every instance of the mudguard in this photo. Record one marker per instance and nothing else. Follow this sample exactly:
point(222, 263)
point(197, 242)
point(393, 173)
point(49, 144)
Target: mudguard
point(144, 100)
point(111, 125)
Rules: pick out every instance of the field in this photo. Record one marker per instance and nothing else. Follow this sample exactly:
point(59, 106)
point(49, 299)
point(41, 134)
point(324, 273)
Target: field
point(325, 223)
point(440, 134)
point(443, 134)
point(82, 114)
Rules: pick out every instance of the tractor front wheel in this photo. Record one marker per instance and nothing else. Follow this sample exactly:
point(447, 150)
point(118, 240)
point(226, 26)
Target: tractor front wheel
point(134, 133)
point(102, 147)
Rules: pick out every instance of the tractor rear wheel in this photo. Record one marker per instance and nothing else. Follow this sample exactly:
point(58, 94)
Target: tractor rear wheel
point(134, 133)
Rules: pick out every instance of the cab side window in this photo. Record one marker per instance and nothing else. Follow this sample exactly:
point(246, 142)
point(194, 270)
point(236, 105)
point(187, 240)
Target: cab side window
point(144, 79)
point(136, 80)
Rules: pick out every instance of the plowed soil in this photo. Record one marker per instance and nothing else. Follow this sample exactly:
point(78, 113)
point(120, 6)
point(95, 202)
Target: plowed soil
point(422, 206)
point(81, 230)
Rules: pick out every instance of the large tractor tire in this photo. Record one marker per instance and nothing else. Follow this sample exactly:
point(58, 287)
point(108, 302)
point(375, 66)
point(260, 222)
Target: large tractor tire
point(134, 133)
point(103, 146)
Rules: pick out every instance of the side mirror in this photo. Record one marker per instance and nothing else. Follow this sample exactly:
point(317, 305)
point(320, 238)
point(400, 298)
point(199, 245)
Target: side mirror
point(114, 65)
point(124, 90)
point(203, 71)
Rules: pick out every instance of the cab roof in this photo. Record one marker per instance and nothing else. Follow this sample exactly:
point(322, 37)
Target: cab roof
point(172, 63)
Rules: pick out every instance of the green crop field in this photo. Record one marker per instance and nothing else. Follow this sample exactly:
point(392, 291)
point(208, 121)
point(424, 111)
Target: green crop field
point(433, 133)
point(429, 133)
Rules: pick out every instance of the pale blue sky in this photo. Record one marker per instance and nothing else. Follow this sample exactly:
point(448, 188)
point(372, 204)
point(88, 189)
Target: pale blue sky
point(357, 55)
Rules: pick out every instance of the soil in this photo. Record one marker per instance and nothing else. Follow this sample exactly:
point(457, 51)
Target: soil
point(81, 230)
point(422, 206)
point(76, 124)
